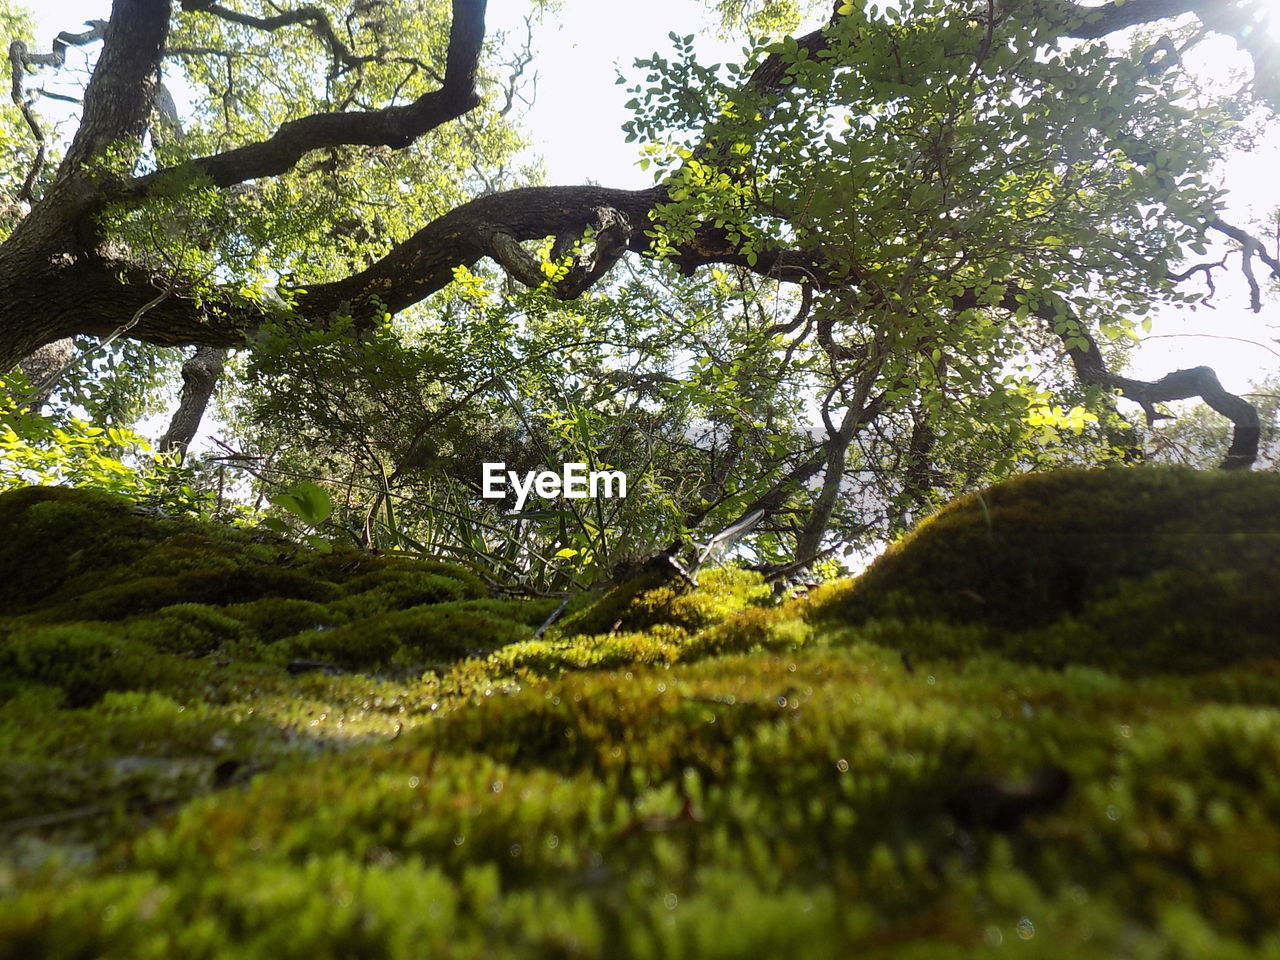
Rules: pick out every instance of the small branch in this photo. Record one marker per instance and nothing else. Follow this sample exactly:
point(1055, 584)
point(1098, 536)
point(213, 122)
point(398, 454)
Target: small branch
point(1213, 336)
point(313, 17)
point(20, 60)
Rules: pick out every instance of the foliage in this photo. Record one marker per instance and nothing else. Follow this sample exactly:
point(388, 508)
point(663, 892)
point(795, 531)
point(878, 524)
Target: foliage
point(71, 451)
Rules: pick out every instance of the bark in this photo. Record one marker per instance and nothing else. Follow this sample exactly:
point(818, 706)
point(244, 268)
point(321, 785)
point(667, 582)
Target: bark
point(199, 380)
point(41, 365)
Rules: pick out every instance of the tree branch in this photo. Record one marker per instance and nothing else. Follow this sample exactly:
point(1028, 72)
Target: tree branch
point(314, 17)
point(20, 60)
point(199, 379)
point(1250, 246)
point(1092, 370)
point(120, 94)
point(396, 126)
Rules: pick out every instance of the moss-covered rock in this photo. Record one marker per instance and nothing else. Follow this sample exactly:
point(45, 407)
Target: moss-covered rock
point(649, 601)
point(84, 661)
point(1143, 569)
point(53, 534)
point(425, 635)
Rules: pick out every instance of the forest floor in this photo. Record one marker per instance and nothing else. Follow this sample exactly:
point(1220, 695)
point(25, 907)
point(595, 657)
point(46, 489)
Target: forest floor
point(1046, 724)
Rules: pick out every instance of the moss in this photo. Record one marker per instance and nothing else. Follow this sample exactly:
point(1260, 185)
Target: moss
point(423, 635)
point(192, 629)
point(529, 612)
point(729, 780)
point(53, 533)
point(609, 610)
point(757, 628)
point(84, 662)
point(219, 586)
point(397, 587)
point(1137, 568)
point(273, 618)
point(648, 601)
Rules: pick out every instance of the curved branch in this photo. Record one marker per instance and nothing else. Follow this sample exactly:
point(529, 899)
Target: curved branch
point(1091, 23)
point(1092, 370)
point(396, 126)
point(612, 239)
point(494, 225)
point(314, 17)
point(1250, 246)
point(20, 60)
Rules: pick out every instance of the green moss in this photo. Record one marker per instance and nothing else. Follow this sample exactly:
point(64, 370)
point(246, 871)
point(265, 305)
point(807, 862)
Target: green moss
point(1140, 569)
point(51, 534)
point(421, 636)
point(648, 601)
point(83, 661)
point(187, 628)
point(530, 612)
point(218, 586)
point(719, 777)
point(273, 618)
point(397, 587)
point(359, 572)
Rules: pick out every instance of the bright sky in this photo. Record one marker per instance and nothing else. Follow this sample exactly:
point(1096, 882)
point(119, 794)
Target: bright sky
point(578, 111)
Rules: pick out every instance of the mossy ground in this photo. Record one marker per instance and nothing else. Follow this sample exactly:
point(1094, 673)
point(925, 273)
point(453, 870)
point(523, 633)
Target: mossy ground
point(719, 776)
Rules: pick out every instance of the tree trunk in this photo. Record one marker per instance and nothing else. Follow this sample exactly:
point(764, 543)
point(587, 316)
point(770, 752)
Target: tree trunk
point(199, 380)
point(42, 364)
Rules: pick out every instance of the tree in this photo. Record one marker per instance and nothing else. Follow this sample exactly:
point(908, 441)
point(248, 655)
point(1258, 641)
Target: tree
point(944, 193)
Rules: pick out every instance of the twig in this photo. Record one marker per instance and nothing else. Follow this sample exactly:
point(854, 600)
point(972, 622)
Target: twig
point(50, 381)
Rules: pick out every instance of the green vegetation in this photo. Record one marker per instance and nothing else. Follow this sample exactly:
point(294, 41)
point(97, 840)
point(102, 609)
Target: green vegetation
point(214, 743)
point(1135, 570)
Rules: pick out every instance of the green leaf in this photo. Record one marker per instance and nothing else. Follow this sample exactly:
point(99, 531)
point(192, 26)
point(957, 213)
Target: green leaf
point(307, 501)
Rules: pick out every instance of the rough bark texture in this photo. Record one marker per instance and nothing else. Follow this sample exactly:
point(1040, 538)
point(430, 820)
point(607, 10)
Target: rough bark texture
point(199, 380)
point(41, 365)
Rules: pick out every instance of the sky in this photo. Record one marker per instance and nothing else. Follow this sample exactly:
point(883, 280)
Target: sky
point(578, 112)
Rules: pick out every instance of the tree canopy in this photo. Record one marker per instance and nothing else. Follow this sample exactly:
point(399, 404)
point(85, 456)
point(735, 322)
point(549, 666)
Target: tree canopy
point(883, 260)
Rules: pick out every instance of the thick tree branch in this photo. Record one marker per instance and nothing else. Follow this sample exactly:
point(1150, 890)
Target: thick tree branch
point(41, 367)
point(199, 379)
point(494, 225)
point(1242, 22)
point(120, 94)
point(396, 126)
